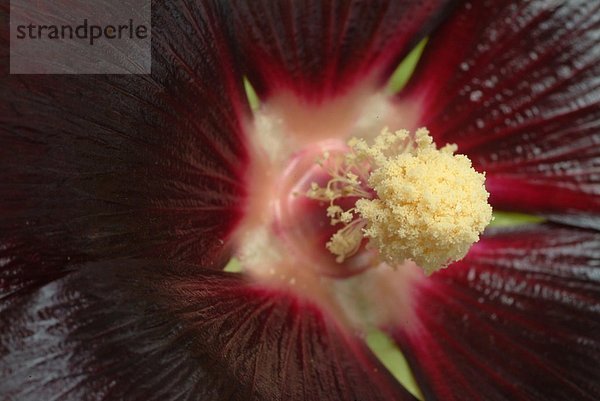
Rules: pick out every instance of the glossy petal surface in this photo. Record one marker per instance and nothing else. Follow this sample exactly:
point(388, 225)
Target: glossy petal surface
point(321, 48)
point(140, 331)
point(95, 167)
point(515, 85)
point(518, 319)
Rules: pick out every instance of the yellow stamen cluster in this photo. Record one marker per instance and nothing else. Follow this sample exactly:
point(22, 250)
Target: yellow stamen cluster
point(424, 204)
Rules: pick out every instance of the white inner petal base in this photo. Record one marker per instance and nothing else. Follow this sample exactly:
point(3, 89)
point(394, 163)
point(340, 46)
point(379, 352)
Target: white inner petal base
point(281, 240)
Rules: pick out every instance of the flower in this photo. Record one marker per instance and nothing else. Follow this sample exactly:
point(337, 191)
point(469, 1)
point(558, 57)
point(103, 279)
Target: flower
point(123, 197)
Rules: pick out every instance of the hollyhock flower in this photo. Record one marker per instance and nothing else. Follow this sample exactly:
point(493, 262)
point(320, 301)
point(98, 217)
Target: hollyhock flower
point(123, 198)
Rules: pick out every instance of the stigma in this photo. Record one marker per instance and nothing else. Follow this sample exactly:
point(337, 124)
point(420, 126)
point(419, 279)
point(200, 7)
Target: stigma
point(410, 200)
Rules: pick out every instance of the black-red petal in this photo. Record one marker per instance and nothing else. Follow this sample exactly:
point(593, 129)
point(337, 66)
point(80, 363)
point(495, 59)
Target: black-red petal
point(515, 85)
point(135, 330)
point(518, 319)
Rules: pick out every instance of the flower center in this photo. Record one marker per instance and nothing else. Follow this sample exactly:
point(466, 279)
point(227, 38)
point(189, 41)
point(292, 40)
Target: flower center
point(409, 199)
point(338, 208)
point(321, 206)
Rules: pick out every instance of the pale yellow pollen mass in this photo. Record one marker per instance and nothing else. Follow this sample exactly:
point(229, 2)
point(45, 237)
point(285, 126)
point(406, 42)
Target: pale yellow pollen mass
point(429, 205)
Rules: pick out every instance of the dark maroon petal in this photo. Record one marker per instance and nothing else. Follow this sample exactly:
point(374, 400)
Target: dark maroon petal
point(137, 331)
point(94, 167)
point(515, 85)
point(518, 319)
point(320, 48)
